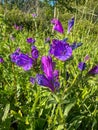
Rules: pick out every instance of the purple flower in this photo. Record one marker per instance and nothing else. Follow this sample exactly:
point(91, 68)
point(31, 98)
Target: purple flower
point(18, 27)
point(94, 70)
point(15, 55)
point(76, 45)
point(81, 66)
point(47, 66)
point(56, 75)
point(34, 52)
point(47, 40)
point(1, 60)
point(32, 80)
point(70, 25)
point(43, 81)
point(60, 49)
point(22, 60)
point(30, 40)
point(86, 58)
point(57, 25)
point(56, 85)
point(34, 15)
point(50, 77)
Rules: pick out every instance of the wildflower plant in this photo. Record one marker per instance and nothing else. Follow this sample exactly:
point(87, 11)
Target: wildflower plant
point(58, 92)
point(50, 77)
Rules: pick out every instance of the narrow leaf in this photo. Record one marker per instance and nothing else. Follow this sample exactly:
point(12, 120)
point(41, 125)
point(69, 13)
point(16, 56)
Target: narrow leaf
point(68, 108)
point(6, 111)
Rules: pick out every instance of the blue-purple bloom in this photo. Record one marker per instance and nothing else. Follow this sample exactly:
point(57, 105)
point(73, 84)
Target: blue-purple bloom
point(65, 39)
point(15, 55)
point(32, 80)
point(56, 74)
point(76, 45)
point(94, 70)
point(18, 27)
point(57, 26)
point(60, 49)
point(70, 25)
point(82, 66)
point(34, 15)
point(30, 40)
point(34, 52)
point(22, 60)
point(50, 77)
point(1, 60)
point(43, 81)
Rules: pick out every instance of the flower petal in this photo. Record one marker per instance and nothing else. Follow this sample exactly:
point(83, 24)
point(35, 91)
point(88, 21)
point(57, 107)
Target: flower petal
point(70, 24)
point(34, 52)
point(82, 66)
point(30, 40)
point(47, 66)
point(57, 25)
point(60, 49)
point(42, 80)
point(24, 61)
point(94, 70)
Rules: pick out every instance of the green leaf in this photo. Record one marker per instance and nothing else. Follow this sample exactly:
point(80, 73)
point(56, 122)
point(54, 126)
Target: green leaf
point(60, 127)
point(6, 111)
point(68, 108)
point(94, 124)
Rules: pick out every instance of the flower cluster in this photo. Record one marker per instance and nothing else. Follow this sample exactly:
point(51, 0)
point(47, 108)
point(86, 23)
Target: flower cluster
point(58, 26)
point(24, 60)
point(60, 49)
point(50, 77)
